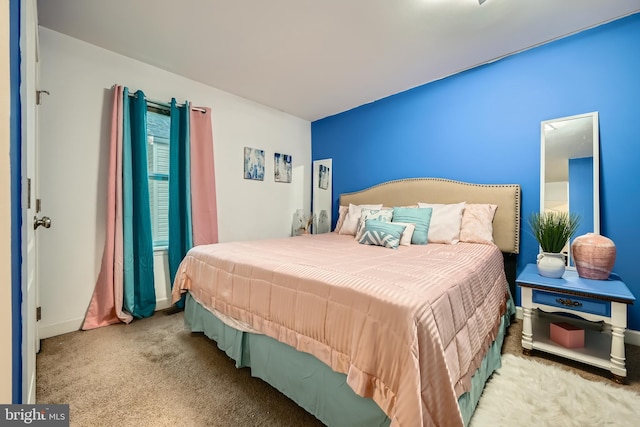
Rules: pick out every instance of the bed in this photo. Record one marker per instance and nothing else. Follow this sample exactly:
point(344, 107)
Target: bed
point(358, 334)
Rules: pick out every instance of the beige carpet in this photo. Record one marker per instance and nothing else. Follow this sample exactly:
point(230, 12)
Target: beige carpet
point(153, 372)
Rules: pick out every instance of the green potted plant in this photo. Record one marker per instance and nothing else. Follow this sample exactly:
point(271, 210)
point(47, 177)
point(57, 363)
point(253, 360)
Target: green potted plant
point(553, 230)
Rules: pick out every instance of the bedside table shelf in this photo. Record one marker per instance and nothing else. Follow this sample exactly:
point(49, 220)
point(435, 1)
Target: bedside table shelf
point(597, 306)
point(596, 344)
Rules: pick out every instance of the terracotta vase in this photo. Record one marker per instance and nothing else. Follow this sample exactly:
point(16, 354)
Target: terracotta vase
point(551, 264)
point(594, 256)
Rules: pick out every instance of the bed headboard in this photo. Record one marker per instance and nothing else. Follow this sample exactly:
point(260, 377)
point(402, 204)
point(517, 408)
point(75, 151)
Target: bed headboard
point(410, 191)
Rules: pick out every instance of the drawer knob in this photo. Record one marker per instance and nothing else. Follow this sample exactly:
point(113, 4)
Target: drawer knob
point(569, 302)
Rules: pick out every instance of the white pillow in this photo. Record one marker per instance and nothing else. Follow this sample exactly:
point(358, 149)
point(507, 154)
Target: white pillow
point(445, 222)
point(350, 224)
point(405, 239)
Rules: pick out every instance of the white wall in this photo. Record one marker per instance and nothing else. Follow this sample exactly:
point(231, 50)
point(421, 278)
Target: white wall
point(6, 366)
point(74, 123)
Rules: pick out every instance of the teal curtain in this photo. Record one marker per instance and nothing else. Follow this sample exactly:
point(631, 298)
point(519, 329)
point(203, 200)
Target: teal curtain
point(139, 292)
point(180, 227)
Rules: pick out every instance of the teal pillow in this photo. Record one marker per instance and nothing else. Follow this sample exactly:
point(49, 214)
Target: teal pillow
point(381, 233)
point(421, 217)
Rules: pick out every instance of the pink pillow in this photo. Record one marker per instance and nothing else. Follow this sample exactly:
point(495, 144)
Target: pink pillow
point(477, 223)
point(350, 224)
point(342, 214)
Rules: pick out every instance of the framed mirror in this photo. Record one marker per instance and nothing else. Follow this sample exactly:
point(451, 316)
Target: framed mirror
point(569, 171)
point(322, 196)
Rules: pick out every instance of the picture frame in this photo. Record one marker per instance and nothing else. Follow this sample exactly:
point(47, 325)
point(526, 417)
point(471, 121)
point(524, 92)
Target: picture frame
point(253, 164)
point(323, 177)
point(282, 167)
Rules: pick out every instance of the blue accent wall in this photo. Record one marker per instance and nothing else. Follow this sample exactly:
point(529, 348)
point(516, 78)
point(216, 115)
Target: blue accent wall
point(483, 125)
point(16, 206)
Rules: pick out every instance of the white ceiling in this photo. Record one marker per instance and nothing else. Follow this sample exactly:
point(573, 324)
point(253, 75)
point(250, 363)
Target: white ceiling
point(313, 59)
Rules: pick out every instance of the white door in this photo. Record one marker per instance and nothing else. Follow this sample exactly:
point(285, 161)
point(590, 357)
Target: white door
point(28, 88)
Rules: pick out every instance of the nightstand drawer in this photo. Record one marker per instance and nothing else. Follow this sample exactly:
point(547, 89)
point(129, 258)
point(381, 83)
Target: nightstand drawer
point(571, 302)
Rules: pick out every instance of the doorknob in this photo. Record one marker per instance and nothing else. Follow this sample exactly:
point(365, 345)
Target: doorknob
point(45, 221)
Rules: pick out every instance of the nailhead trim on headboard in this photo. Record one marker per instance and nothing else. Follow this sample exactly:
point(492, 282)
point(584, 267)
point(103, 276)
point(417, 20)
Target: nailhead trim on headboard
point(410, 191)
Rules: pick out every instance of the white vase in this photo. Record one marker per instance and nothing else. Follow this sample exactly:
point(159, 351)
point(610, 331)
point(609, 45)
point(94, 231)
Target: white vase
point(551, 265)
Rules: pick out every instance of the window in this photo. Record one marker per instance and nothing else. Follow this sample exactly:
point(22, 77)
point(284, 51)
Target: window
point(158, 125)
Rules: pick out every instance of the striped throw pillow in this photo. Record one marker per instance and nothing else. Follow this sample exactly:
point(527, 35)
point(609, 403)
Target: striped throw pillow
point(380, 233)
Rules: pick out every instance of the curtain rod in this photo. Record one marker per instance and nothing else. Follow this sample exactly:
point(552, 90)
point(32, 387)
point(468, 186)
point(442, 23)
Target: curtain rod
point(165, 104)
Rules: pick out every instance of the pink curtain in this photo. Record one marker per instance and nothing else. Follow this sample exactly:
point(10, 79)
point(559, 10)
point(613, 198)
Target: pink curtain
point(105, 307)
point(204, 212)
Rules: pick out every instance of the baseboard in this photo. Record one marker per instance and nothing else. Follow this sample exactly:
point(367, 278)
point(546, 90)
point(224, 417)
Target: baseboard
point(48, 331)
point(163, 303)
point(55, 329)
point(519, 312)
point(630, 336)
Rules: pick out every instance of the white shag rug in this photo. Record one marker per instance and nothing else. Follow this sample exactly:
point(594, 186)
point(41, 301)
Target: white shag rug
point(527, 393)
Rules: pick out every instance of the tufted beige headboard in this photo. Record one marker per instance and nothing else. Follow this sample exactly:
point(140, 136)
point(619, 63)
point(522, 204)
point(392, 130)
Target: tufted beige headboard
point(410, 191)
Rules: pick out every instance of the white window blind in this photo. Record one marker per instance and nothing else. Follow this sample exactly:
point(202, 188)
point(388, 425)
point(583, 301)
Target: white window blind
point(158, 126)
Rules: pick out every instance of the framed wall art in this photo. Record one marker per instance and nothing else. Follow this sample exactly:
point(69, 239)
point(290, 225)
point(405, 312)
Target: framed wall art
point(323, 177)
point(253, 164)
point(282, 167)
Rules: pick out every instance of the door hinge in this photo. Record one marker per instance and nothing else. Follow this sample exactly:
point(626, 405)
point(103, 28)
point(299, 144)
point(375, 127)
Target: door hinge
point(38, 313)
point(39, 96)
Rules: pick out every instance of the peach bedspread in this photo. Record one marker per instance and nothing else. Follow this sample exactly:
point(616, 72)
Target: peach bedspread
point(408, 326)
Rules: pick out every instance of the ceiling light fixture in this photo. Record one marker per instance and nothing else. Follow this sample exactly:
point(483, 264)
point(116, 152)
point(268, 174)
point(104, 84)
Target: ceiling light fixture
point(481, 1)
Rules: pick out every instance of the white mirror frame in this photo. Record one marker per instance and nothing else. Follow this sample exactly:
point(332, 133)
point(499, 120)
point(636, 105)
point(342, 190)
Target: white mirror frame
point(322, 200)
point(565, 154)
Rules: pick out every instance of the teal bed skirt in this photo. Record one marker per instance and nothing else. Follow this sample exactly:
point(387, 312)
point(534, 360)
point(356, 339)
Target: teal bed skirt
point(312, 384)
